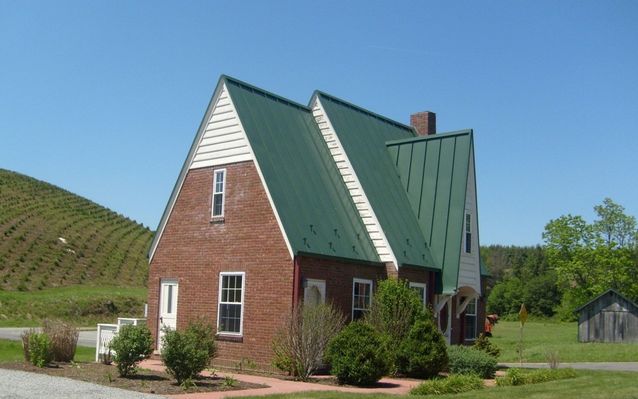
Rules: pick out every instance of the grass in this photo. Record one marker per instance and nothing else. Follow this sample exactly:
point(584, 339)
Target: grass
point(540, 338)
point(80, 305)
point(587, 385)
point(11, 351)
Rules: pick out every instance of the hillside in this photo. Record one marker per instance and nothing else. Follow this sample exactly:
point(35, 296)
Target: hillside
point(50, 237)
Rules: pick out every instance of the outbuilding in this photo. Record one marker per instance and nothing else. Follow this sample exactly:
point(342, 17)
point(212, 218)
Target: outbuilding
point(610, 317)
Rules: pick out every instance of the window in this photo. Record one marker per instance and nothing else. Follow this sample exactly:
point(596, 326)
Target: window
point(468, 233)
point(361, 297)
point(231, 302)
point(314, 292)
point(470, 320)
point(421, 291)
point(219, 185)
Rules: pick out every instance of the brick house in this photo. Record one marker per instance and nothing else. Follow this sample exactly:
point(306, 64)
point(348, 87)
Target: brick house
point(279, 202)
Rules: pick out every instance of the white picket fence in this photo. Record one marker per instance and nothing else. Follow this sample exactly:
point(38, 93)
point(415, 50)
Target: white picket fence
point(106, 332)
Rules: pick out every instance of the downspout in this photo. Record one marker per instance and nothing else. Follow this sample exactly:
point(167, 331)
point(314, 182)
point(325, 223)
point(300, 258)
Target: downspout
point(296, 277)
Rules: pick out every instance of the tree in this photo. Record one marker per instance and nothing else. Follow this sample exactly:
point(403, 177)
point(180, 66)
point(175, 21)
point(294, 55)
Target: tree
point(613, 225)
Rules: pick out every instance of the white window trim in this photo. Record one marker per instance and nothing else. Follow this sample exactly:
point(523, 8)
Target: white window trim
point(425, 291)
point(223, 193)
point(465, 231)
point(475, 314)
point(361, 281)
point(219, 302)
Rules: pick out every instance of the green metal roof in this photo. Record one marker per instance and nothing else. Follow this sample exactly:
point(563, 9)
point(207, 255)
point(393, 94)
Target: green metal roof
point(434, 171)
point(363, 135)
point(313, 203)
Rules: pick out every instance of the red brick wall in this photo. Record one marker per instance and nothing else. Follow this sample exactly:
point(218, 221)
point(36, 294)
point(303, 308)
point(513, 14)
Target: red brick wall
point(194, 251)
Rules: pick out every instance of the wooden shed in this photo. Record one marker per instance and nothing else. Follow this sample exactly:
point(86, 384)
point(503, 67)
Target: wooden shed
point(610, 317)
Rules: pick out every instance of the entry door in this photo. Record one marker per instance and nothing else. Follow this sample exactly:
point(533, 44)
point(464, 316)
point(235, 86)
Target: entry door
point(168, 308)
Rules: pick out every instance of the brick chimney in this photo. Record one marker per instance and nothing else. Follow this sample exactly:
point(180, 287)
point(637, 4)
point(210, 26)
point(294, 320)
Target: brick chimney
point(424, 123)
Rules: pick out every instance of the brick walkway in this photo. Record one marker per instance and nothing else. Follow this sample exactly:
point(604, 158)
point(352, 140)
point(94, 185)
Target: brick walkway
point(278, 386)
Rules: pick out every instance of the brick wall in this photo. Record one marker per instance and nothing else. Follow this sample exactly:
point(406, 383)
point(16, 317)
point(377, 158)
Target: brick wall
point(194, 251)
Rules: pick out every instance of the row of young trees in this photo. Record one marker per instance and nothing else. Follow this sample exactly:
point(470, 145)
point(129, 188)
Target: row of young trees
point(578, 261)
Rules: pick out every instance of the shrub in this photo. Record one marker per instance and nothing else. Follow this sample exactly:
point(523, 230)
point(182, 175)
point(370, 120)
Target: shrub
point(358, 355)
point(205, 334)
point(300, 344)
point(452, 384)
point(483, 344)
point(466, 360)
point(26, 336)
point(40, 353)
point(423, 353)
point(131, 345)
point(64, 340)
point(516, 376)
point(185, 354)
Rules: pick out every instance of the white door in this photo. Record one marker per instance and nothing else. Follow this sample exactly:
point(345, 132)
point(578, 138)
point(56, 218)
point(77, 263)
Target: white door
point(167, 309)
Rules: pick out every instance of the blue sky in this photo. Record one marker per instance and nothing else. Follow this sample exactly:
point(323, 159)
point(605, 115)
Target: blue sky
point(103, 98)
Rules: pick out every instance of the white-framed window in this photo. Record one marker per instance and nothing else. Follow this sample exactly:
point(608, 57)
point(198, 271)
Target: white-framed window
point(314, 291)
point(219, 187)
point(361, 297)
point(230, 312)
point(468, 232)
point(421, 291)
point(470, 320)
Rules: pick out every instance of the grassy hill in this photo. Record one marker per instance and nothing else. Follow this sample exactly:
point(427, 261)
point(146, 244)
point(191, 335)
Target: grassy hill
point(51, 238)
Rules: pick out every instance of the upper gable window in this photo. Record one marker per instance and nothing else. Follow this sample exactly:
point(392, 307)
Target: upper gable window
point(219, 185)
point(468, 233)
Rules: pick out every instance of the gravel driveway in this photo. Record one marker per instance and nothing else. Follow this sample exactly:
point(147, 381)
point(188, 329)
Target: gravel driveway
point(19, 384)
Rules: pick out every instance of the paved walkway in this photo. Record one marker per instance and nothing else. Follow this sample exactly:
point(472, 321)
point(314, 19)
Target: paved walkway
point(278, 386)
point(86, 338)
point(604, 366)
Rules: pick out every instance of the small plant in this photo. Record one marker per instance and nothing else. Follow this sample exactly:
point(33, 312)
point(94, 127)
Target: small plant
point(483, 343)
point(40, 353)
point(26, 335)
point(466, 360)
point(516, 376)
point(229, 382)
point(185, 354)
point(131, 345)
point(423, 353)
point(109, 377)
point(64, 339)
point(358, 355)
point(187, 384)
point(553, 359)
point(452, 384)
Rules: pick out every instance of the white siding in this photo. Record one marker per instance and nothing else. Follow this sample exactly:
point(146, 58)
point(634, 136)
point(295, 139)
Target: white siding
point(470, 268)
point(352, 183)
point(224, 140)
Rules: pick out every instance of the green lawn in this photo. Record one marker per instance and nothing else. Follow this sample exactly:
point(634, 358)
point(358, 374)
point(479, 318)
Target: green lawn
point(588, 385)
point(542, 337)
point(11, 351)
point(81, 305)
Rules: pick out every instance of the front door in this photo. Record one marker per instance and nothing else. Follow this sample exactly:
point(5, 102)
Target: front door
point(167, 309)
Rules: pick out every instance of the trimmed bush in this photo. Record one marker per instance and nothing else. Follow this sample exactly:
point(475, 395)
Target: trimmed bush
point(64, 340)
point(453, 384)
point(300, 344)
point(131, 345)
point(40, 353)
point(358, 355)
point(423, 353)
point(466, 360)
point(518, 377)
point(185, 354)
point(483, 344)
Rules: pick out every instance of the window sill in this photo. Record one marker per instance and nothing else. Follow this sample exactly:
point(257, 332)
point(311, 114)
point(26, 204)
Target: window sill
point(217, 220)
point(229, 338)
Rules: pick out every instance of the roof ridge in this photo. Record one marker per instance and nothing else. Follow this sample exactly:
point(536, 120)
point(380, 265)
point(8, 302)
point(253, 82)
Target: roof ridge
point(264, 92)
point(431, 137)
point(362, 110)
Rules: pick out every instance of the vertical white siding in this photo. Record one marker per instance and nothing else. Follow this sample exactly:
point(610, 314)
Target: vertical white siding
point(470, 268)
point(224, 140)
point(354, 186)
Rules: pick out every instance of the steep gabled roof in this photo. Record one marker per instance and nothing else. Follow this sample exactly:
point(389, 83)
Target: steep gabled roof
point(363, 135)
point(434, 171)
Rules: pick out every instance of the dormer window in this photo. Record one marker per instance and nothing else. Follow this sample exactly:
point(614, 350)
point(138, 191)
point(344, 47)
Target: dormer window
point(468, 233)
point(219, 184)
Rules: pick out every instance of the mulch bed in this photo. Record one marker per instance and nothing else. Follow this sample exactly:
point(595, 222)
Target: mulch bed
point(145, 380)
